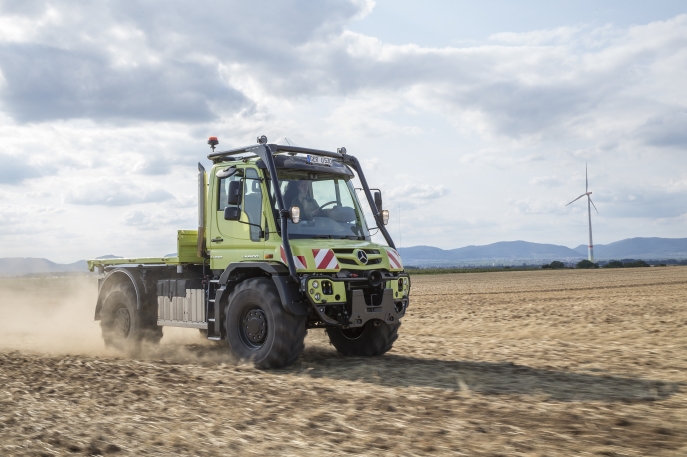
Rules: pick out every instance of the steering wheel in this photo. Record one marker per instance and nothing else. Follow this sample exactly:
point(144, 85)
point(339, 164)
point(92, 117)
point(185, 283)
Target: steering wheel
point(326, 204)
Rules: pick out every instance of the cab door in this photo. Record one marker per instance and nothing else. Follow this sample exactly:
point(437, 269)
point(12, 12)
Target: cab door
point(242, 240)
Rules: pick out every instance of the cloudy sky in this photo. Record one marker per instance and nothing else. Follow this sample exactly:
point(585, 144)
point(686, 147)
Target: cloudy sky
point(475, 118)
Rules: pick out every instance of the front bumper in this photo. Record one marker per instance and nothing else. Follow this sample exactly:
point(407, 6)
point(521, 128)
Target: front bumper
point(347, 305)
point(388, 311)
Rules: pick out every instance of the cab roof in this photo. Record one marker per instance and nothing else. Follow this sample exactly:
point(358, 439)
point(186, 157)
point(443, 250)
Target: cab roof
point(293, 161)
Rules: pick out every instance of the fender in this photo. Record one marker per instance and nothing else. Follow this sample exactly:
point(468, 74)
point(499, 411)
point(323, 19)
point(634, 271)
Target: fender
point(120, 275)
point(289, 293)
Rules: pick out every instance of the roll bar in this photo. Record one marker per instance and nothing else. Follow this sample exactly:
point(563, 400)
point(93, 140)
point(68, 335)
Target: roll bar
point(274, 149)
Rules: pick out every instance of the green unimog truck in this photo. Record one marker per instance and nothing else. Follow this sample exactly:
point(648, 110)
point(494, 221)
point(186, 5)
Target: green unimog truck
point(282, 246)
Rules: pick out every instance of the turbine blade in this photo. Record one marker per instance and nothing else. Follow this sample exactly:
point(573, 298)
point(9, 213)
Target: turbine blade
point(590, 199)
point(586, 178)
point(576, 199)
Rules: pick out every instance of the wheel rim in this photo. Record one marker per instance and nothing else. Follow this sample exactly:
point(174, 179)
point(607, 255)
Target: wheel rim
point(122, 322)
point(253, 327)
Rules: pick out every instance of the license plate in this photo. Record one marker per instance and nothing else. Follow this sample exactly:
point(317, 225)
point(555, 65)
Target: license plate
point(317, 160)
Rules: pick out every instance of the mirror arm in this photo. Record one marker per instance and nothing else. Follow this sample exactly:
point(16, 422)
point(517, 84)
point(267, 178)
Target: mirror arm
point(262, 232)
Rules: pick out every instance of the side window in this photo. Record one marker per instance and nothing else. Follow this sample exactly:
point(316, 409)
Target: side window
point(252, 202)
point(224, 190)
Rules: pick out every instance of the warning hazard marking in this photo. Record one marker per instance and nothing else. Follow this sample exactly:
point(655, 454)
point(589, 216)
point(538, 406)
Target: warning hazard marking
point(299, 260)
point(394, 259)
point(325, 259)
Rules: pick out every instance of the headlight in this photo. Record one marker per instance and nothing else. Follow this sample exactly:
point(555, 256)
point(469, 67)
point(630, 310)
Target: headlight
point(385, 216)
point(315, 284)
point(317, 296)
point(295, 213)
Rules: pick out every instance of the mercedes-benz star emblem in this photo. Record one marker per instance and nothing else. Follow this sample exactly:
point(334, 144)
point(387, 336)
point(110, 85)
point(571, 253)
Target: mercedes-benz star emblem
point(362, 257)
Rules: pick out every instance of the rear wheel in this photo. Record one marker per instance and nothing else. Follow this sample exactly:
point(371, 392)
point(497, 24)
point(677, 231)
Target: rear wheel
point(374, 338)
point(122, 324)
point(259, 329)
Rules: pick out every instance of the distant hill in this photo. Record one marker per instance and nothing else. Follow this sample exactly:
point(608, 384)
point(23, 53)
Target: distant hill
point(505, 251)
point(18, 266)
point(639, 248)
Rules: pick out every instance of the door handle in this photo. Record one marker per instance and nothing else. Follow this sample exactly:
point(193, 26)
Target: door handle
point(217, 240)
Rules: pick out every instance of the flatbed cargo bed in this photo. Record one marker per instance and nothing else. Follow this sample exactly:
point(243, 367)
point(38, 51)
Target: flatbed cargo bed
point(186, 254)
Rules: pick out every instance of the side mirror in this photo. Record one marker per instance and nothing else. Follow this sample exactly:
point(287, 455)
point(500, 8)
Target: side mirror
point(378, 200)
point(234, 193)
point(232, 213)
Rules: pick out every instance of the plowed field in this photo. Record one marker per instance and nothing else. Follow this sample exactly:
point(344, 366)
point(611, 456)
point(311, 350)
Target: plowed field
point(496, 364)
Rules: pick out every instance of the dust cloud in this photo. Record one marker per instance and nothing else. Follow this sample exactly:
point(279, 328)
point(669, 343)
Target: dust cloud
point(50, 315)
point(54, 315)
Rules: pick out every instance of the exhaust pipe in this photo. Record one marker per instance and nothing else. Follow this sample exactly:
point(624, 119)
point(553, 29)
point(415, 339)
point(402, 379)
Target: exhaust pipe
point(200, 249)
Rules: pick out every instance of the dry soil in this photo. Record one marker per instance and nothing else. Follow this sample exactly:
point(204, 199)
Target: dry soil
point(512, 364)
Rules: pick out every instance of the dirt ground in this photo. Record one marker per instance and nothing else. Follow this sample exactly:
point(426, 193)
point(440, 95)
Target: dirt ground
point(495, 364)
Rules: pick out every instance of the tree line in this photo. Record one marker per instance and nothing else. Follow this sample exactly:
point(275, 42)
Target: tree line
point(587, 264)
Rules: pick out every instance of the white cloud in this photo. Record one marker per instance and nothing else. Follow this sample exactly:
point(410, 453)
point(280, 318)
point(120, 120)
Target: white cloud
point(110, 192)
point(151, 220)
point(27, 220)
point(546, 181)
point(105, 108)
point(13, 170)
point(418, 191)
point(641, 201)
point(531, 205)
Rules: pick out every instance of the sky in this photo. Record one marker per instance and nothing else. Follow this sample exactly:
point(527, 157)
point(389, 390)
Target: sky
point(476, 119)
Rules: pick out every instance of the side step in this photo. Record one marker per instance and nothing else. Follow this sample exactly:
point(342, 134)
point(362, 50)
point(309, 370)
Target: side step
point(215, 338)
point(172, 323)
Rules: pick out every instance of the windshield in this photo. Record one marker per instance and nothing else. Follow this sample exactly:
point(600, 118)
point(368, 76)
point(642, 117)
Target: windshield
point(329, 207)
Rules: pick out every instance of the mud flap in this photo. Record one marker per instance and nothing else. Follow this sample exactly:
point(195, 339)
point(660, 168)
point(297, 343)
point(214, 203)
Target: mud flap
point(291, 298)
point(361, 312)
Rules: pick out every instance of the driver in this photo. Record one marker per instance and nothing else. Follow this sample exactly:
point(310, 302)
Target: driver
point(305, 201)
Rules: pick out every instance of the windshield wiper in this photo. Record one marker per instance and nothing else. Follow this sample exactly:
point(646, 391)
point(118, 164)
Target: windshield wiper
point(337, 237)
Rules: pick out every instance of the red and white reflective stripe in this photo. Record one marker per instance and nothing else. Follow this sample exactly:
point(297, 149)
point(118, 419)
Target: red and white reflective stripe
point(325, 259)
point(299, 260)
point(394, 259)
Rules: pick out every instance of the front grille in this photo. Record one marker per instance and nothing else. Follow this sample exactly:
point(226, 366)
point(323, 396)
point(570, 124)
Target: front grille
point(353, 262)
point(350, 251)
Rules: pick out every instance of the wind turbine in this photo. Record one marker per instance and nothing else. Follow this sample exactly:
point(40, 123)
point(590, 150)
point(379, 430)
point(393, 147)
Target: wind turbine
point(590, 203)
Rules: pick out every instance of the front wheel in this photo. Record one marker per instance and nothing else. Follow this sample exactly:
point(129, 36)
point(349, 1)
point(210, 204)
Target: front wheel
point(259, 328)
point(374, 338)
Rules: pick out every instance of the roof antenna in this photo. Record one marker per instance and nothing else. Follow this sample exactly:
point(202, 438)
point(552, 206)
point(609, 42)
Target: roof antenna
point(212, 141)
